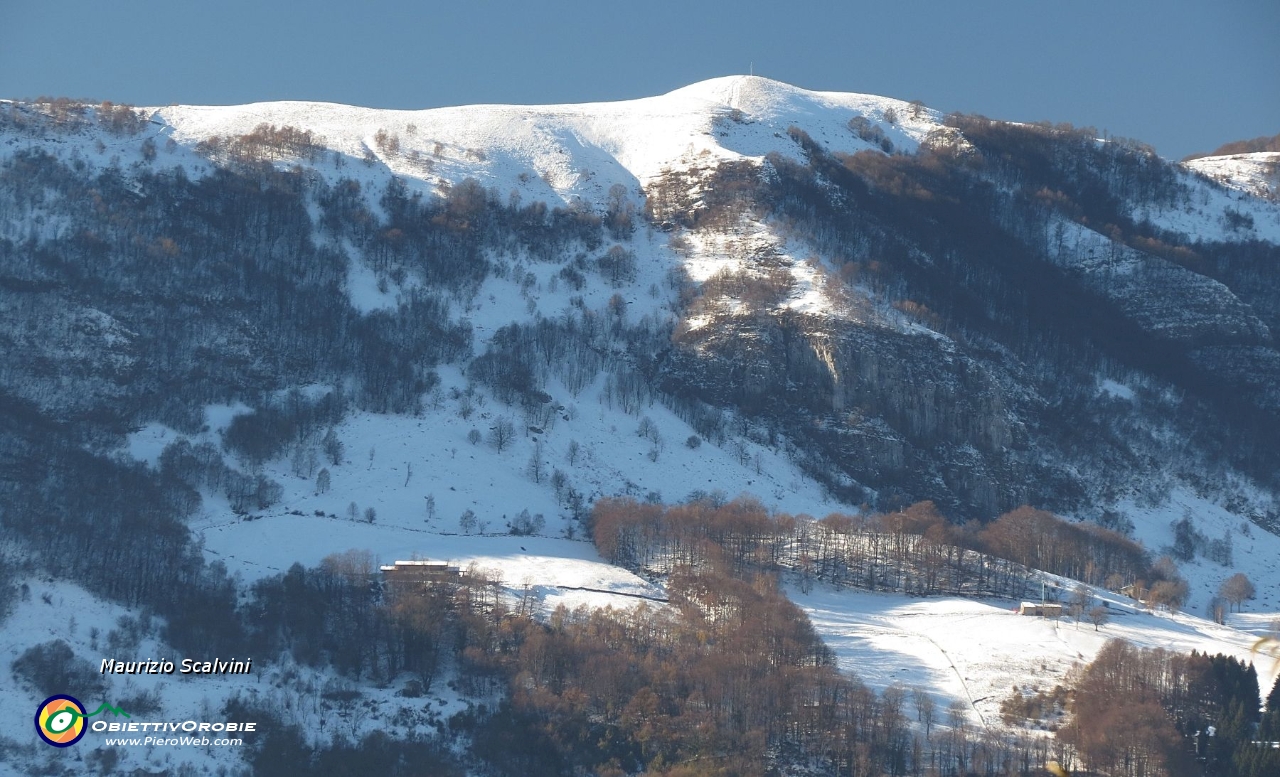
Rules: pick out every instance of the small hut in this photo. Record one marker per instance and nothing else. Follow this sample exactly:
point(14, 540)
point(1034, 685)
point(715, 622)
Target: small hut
point(1041, 610)
point(418, 572)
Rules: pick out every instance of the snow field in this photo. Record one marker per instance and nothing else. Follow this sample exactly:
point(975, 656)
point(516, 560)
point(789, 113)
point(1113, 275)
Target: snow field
point(976, 651)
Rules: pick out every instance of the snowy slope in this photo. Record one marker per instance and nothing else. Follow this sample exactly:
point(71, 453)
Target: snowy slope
point(1257, 174)
point(567, 151)
point(1254, 550)
point(63, 611)
point(1230, 207)
point(495, 485)
point(1232, 198)
point(976, 651)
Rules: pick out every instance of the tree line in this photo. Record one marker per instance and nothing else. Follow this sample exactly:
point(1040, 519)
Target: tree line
point(1149, 712)
point(914, 550)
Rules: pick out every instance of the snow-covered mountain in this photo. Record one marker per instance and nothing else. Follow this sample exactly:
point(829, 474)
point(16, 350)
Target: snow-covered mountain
point(559, 153)
point(476, 321)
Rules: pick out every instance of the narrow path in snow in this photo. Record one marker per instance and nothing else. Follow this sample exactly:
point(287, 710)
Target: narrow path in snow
point(967, 693)
point(662, 599)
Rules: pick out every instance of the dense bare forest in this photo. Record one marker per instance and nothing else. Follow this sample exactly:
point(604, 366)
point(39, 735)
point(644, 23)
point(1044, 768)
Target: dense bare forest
point(913, 551)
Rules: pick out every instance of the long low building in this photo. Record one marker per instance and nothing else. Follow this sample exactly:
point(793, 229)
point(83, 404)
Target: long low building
point(420, 571)
point(1040, 610)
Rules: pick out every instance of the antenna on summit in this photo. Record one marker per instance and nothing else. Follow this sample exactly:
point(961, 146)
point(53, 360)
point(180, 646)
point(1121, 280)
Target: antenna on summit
point(752, 67)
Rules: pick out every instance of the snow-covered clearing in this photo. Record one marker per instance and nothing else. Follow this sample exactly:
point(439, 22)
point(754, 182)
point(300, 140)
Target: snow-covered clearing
point(976, 651)
point(271, 544)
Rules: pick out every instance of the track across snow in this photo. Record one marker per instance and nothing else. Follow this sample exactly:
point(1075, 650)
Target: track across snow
point(977, 650)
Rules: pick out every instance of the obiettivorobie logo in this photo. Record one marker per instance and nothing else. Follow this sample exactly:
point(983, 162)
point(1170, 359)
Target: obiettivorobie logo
point(60, 719)
point(61, 722)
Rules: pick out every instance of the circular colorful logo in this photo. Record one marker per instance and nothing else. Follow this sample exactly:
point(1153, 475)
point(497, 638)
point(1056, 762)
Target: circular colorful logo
point(60, 720)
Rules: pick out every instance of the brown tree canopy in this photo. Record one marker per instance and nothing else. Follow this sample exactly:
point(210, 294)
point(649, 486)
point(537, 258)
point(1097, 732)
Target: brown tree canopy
point(1236, 589)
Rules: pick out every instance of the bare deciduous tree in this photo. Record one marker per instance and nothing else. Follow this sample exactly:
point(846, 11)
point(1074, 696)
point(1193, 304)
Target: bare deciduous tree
point(925, 708)
point(1236, 589)
point(501, 433)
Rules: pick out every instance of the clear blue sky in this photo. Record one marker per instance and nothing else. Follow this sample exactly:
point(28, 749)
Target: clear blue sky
point(1183, 76)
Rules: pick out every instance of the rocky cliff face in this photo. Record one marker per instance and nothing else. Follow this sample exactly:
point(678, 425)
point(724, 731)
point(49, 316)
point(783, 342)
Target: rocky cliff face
point(884, 408)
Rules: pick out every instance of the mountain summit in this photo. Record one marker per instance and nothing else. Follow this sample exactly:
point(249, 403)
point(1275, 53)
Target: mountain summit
point(559, 152)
